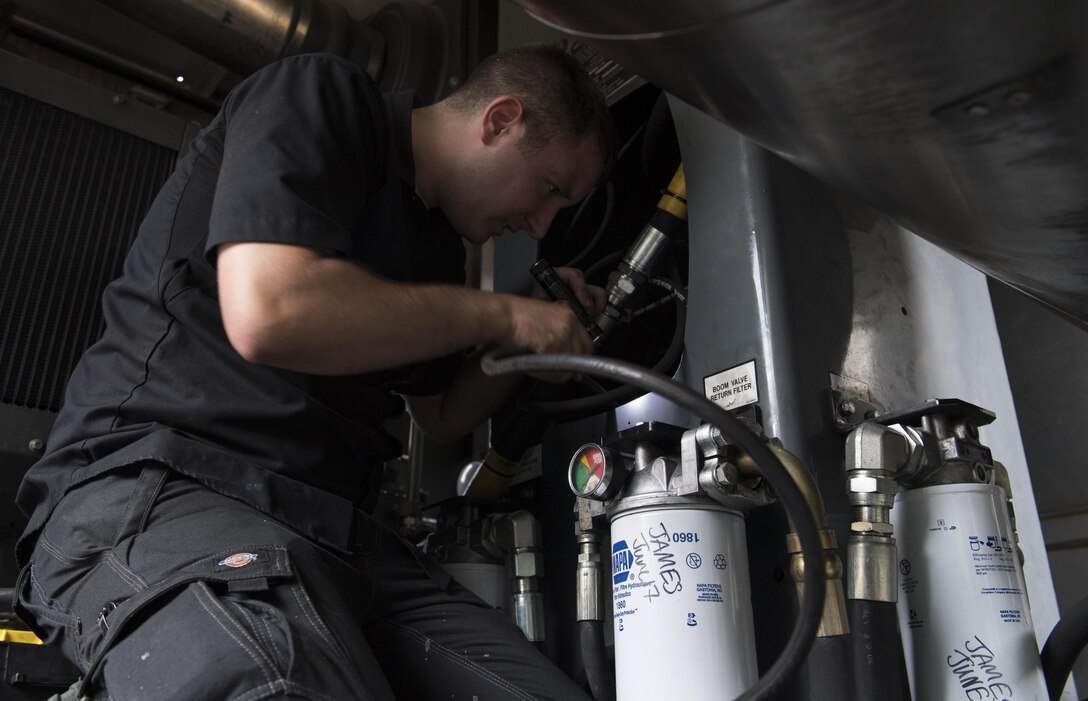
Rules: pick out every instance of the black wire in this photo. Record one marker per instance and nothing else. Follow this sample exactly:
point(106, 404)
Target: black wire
point(804, 632)
point(609, 204)
point(598, 672)
point(605, 261)
point(616, 395)
point(610, 192)
point(1063, 646)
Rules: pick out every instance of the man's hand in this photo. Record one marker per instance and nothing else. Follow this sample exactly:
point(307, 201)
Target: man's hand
point(546, 327)
point(553, 327)
point(593, 298)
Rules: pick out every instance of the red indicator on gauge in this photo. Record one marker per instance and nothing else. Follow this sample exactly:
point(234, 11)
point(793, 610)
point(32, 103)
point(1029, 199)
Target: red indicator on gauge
point(591, 472)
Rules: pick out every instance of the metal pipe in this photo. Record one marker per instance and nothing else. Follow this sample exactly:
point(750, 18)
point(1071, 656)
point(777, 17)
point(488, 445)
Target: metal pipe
point(108, 61)
point(834, 621)
point(244, 35)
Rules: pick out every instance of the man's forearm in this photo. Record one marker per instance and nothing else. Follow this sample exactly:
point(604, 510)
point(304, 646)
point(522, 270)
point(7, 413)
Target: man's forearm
point(295, 308)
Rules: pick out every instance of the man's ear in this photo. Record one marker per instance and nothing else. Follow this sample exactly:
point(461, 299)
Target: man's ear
point(500, 116)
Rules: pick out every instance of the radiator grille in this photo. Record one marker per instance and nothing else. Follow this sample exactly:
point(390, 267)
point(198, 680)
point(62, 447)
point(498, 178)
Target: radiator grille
point(72, 194)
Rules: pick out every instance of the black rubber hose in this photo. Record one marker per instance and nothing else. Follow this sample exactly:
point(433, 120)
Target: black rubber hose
point(804, 632)
point(606, 218)
point(1063, 646)
point(598, 672)
point(830, 670)
point(617, 395)
point(878, 650)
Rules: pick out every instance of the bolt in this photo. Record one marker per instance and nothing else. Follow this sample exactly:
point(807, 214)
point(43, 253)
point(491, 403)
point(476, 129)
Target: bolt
point(978, 110)
point(847, 408)
point(864, 485)
point(119, 99)
point(1018, 98)
point(36, 445)
point(454, 81)
point(726, 474)
point(980, 473)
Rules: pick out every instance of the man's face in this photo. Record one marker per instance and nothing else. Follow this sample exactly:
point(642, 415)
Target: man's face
point(503, 187)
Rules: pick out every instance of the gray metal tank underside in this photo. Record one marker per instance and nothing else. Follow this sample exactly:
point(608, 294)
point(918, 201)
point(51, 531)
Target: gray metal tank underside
point(964, 121)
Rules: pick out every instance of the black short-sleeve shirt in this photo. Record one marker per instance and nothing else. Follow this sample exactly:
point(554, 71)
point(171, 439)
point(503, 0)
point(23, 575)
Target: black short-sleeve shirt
point(304, 152)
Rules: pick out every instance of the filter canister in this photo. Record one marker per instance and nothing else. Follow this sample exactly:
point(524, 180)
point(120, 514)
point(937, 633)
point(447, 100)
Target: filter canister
point(682, 604)
point(963, 606)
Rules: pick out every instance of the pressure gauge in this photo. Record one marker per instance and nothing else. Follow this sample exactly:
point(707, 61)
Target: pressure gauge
point(596, 473)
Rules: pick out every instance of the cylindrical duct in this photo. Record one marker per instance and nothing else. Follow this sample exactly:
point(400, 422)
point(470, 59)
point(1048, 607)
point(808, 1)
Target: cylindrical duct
point(244, 35)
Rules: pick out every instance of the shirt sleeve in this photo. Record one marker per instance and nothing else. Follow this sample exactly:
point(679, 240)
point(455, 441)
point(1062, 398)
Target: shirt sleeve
point(302, 143)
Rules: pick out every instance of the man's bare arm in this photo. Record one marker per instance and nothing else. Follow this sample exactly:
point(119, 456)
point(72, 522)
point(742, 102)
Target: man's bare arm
point(305, 310)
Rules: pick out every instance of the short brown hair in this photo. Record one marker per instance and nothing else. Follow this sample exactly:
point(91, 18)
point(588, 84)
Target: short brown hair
point(560, 100)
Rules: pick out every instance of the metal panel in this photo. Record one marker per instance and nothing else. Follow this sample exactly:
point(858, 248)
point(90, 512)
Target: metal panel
point(78, 170)
point(810, 284)
point(964, 121)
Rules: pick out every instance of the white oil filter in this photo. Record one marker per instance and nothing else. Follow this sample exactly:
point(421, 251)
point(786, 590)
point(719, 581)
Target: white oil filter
point(963, 606)
point(681, 604)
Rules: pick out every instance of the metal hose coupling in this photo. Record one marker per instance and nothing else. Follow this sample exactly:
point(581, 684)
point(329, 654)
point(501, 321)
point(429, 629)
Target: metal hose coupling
point(588, 584)
point(668, 220)
point(874, 455)
point(518, 534)
point(834, 621)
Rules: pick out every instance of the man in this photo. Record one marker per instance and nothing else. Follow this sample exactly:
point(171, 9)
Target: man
point(198, 526)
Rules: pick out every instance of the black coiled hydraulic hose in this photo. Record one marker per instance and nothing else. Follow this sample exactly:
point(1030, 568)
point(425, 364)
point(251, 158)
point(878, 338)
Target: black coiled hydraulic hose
point(591, 640)
point(878, 651)
point(801, 639)
point(1063, 646)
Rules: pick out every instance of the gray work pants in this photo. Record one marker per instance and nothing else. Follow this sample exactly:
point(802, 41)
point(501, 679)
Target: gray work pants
point(159, 588)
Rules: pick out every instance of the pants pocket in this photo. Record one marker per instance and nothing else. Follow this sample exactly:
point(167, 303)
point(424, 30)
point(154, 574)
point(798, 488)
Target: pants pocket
point(52, 622)
point(75, 577)
point(224, 635)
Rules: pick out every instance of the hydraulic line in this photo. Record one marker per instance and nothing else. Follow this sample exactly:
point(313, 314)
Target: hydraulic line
point(831, 672)
point(590, 617)
point(617, 395)
point(804, 632)
point(598, 671)
point(1063, 646)
point(877, 650)
point(636, 269)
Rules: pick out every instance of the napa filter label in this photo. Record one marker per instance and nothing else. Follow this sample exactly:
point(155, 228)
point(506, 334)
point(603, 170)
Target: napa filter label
point(675, 579)
point(659, 562)
point(622, 559)
point(733, 388)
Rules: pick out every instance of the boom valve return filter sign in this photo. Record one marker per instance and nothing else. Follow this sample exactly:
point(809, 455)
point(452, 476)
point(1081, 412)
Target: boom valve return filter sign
point(733, 388)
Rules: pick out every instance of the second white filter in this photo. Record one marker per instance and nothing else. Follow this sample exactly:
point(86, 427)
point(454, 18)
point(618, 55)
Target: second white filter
point(963, 606)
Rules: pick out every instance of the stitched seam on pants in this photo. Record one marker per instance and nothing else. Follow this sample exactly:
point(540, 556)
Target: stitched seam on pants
point(131, 578)
point(56, 552)
point(252, 651)
point(460, 659)
point(307, 607)
point(249, 619)
point(262, 691)
point(151, 502)
point(44, 609)
point(136, 492)
point(263, 631)
point(272, 641)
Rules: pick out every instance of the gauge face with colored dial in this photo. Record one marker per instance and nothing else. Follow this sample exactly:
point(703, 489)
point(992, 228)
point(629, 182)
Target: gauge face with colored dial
point(589, 471)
